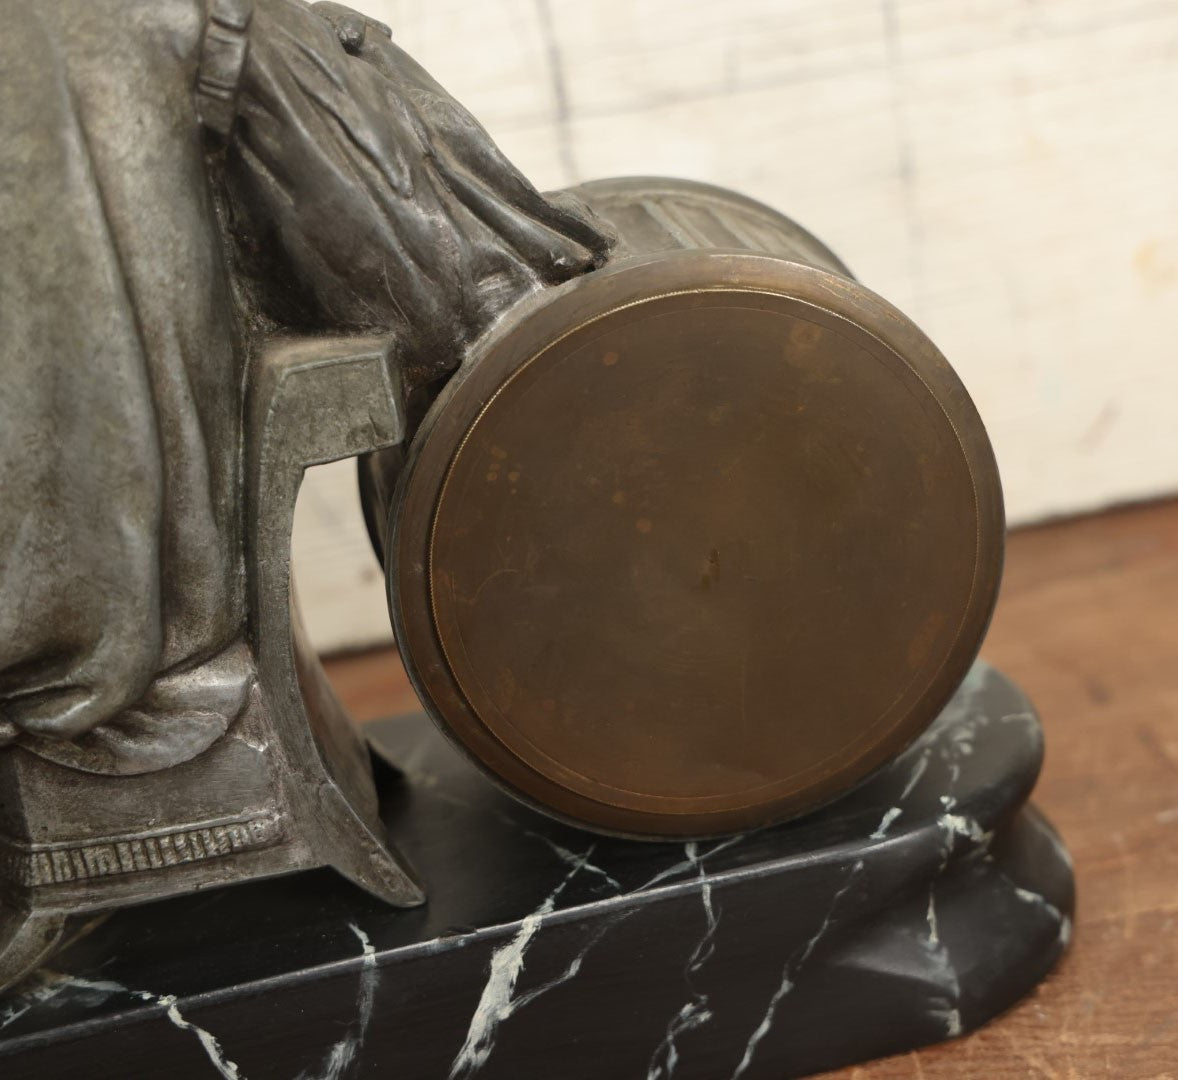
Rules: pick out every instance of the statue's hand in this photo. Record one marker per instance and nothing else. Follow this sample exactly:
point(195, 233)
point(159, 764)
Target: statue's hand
point(466, 152)
point(365, 197)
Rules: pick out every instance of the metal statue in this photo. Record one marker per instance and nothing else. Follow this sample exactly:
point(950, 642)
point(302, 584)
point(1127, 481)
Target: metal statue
point(234, 245)
point(685, 530)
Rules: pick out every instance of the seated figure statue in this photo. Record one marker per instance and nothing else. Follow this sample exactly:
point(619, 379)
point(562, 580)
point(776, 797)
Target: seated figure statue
point(332, 186)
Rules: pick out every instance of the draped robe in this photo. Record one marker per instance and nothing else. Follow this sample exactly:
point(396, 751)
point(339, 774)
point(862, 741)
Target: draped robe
point(120, 375)
point(354, 193)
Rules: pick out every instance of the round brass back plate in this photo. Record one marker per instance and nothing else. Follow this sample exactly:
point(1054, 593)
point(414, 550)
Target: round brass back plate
point(697, 545)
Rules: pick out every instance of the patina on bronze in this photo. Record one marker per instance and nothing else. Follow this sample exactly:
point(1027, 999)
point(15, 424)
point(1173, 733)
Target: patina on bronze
point(698, 541)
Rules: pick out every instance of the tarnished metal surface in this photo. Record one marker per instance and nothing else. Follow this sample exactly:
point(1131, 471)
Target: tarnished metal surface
point(235, 237)
point(289, 786)
point(689, 543)
point(698, 541)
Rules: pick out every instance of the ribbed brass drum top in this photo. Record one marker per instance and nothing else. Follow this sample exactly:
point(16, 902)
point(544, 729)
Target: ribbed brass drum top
point(696, 544)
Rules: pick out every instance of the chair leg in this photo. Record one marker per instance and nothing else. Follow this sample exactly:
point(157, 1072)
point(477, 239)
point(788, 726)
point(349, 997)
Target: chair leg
point(26, 938)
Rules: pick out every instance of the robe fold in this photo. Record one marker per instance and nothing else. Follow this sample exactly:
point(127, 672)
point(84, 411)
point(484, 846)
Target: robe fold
point(120, 377)
point(359, 196)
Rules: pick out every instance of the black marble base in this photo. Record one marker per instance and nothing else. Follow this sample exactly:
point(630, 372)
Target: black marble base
point(910, 911)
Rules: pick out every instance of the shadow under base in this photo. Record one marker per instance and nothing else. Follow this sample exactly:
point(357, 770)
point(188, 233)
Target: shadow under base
point(911, 911)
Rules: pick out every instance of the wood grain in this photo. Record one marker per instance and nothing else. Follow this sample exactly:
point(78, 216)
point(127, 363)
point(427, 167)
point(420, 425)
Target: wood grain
point(1087, 624)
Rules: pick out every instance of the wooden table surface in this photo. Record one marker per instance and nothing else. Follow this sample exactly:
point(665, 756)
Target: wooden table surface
point(1088, 624)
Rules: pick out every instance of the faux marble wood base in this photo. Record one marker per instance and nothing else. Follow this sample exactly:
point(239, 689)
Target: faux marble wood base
point(910, 911)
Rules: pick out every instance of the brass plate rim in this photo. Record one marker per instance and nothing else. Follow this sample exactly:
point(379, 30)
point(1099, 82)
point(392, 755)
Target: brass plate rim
point(555, 770)
point(633, 284)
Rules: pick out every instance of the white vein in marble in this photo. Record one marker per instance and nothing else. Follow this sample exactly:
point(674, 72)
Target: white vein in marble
point(434, 784)
point(685, 866)
point(967, 719)
point(206, 1039)
point(53, 983)
point(665, 1059)
point(793, 968)
point(1027, 896)
point(498, 1001)
point(571, 858)
point(918, 770)
point(958, 825)
point(885, 823)
point(694, 1012)
point(344, 1052)
point(943, 970)
point(946, 1008)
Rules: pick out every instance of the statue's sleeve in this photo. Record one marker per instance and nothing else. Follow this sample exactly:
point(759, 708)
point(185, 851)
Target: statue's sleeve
point(369, 198)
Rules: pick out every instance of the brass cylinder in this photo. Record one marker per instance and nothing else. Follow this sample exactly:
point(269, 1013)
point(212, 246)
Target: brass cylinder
point(695, 542)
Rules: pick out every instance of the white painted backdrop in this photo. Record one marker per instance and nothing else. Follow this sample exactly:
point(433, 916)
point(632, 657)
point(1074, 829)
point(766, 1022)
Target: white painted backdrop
point(1005, 171)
